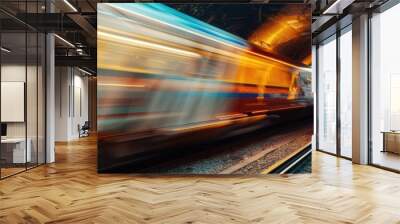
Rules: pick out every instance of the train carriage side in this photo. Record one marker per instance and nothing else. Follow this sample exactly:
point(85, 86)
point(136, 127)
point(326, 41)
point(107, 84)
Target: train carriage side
point(163, 85)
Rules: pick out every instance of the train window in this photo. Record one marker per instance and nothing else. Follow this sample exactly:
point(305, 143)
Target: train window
point(208, 68)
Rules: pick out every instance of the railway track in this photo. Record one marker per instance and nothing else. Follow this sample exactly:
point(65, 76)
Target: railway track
point(291, 162)
point(252, 153)
point(263, 154)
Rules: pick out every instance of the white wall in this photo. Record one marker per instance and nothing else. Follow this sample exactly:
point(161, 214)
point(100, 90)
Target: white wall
point(81, 81)
point(71, 87)
point(62, 82)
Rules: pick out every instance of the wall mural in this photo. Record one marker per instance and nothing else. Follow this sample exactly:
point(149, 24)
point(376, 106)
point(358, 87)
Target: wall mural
point(204, 88)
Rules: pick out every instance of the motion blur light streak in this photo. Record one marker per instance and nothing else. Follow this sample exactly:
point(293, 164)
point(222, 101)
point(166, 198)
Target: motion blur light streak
point(169, 17)
point(167, 79)
point(121, 85)
point(112, 37)
point(163, 10)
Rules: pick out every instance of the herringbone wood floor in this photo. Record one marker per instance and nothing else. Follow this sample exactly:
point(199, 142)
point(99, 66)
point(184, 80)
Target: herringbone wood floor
point(70, 191)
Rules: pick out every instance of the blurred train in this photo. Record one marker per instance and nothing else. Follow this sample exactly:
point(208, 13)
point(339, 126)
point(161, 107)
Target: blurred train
point(166, 80)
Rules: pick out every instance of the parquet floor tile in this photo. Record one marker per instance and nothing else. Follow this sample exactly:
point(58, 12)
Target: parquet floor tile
point(71, 191)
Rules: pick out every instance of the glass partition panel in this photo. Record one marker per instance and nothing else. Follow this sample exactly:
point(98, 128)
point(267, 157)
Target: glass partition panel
point(346, 93)
point(327, 96)
point(22, 88)
point(14, 153)
point(385, 89)
point(31, 98)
